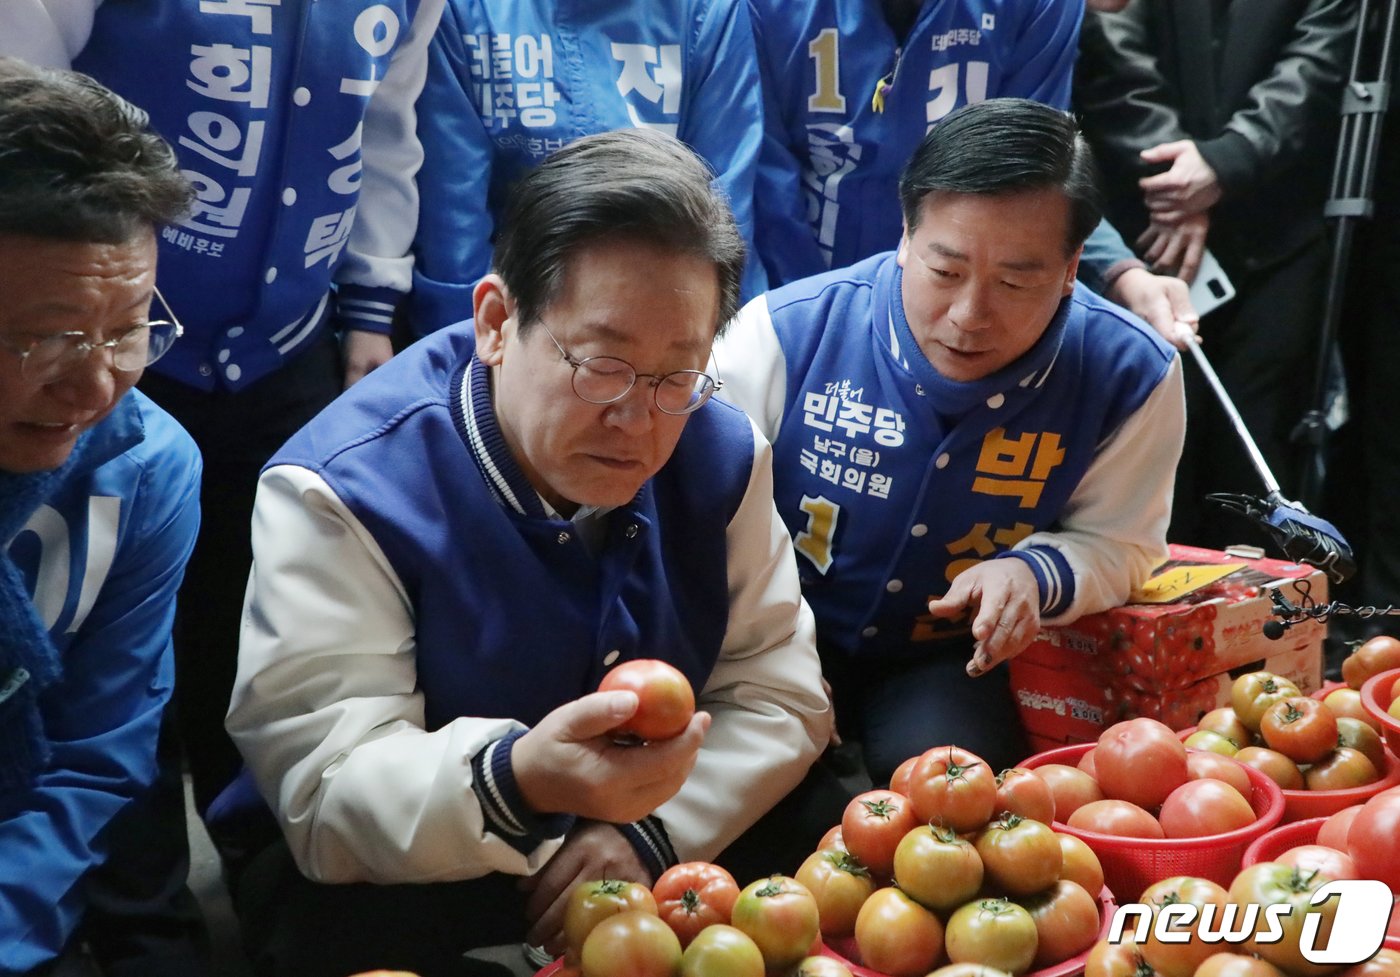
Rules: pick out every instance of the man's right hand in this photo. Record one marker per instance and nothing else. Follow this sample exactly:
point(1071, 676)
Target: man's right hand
point(568, 763)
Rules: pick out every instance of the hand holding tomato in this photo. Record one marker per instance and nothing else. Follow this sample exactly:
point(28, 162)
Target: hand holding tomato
point(1007, 599)
point(665, 700)
point(570, 763)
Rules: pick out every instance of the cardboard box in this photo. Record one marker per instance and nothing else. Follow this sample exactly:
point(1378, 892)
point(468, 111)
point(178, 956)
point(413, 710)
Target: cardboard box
point(1173, 653)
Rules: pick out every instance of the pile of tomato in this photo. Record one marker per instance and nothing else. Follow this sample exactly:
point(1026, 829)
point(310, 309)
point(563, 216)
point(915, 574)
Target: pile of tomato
point(1299, 742)
point(954, 864)
point(1358, 842)
point(1140, 781)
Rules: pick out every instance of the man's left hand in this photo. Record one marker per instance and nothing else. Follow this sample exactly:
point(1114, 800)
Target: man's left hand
point(1163, 301)
point(1008, 610)
point(363, 352)
point(1189, 187)
point(593, 850)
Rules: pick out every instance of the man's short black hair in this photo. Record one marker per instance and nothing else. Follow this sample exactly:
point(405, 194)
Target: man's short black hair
point(80, 163)
point(632, 184)
point(1002, 146)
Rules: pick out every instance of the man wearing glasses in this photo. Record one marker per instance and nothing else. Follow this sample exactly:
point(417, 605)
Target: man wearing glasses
point(450, 557)
point(99, 499)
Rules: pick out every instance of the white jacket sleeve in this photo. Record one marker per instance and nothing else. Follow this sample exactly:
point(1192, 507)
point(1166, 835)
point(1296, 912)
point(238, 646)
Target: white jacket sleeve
point(771, 715)
point(749, 359)
point(49, 33)
point(1113, 531)
point(326, 713)
point(379, 254)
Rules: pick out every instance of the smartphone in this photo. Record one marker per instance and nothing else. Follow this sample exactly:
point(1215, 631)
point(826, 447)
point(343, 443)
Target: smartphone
point(1212, 287)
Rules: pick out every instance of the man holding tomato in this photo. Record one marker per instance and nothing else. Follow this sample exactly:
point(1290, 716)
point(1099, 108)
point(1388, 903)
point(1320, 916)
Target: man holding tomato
point(967, 443)
point(450, 557)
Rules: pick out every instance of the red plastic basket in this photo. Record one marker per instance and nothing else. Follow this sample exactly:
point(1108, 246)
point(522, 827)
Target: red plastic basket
point(1285, 837)
point(1376, 695)
point(846, 952)
point(1132, 864)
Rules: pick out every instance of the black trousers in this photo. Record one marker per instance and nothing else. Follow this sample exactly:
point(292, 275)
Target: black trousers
point(297, 928)
point(1263, 344)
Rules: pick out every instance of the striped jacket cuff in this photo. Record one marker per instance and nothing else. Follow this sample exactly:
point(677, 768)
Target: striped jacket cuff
point(1052, 575)
point(365, 308)
point(505, 811)
point(653, 847)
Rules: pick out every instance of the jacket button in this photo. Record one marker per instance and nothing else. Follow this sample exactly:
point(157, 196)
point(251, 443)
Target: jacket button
point(631, 531)
point(563, 538)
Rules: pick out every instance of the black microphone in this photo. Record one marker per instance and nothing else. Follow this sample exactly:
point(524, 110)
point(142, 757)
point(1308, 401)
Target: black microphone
point(1273, 630)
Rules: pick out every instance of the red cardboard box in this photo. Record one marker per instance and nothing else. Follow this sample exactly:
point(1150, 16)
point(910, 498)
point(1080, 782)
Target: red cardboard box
point(1173, 652)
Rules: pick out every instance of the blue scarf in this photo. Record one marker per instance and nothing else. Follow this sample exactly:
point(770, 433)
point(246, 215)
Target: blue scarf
point(28, 660)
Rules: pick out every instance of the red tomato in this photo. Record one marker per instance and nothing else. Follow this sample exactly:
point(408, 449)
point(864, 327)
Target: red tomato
point(592, 902)
point(1200, 766)
point(1122, 959)
point(1224, 721)
point(899, 780)
point(897, 936)
point(1211, 742)
point(1086, 762)
point(1020, 856)
point(1301, 728)
point(872, 826)
point(1379, 654)
point(953, 787)
point(722, 951)
point(840, 884)
point(1272, 764)
point(1236, 965)
point(1140, 760)
point(1268, 883)
point(1371, 842)
point(994, 932)
point(1345, 703)
point(1080, 863)
point(1327, 862)
point(780, 915)
point(821, 967)
point(1251, 695)
point(665, 699)
point(1066, 922)
point(1204, 807)
point(1072, 788)
point(937, 867)
point(1019, 791)
point(1361, 736)
point(693, 895)
point(833, 840)
point(1122, 818)
point(1180, 959)
point(1333, 832)
point(631, 944)
point(1341, 769)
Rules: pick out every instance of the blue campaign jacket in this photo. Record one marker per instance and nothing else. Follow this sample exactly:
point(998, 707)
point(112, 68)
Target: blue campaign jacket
point(826, 189)
point(510, 81)
point(265, 105)
point(396, 451)
point(103, 558)
point(892, 479)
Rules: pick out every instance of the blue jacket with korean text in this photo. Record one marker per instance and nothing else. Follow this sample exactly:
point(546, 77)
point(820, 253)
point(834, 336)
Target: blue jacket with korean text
point(509, 82)
point(846, 103)
point(102, 558)
point(893, 479)
point(268, 105)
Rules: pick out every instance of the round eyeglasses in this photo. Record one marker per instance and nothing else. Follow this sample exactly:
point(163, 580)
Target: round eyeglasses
point(49, 358)
point(607, 379)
